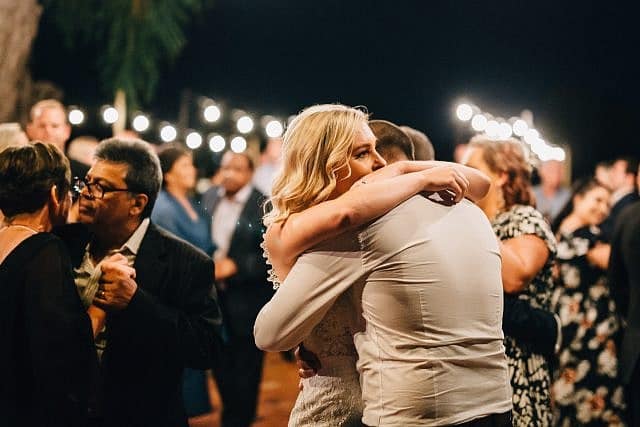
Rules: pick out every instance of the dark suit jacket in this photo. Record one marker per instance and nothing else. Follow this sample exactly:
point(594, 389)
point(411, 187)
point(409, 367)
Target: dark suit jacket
point(172, 322)
point(624, 279)
point(248, 290)
point(534, 326)
point(607, 226)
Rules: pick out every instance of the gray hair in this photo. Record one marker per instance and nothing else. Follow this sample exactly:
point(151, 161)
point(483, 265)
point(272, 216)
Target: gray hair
point(143, 175)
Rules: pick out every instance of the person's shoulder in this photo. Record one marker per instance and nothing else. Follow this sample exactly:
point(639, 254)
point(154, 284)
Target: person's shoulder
point(46, 246)
point(630, 214)
point(177, 246)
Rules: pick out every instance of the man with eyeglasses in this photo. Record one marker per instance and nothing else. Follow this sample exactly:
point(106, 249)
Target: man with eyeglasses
point(157, 290)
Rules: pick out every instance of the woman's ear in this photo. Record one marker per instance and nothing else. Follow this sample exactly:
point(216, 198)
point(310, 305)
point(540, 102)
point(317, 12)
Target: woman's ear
point(139, 202)
point(54, 198)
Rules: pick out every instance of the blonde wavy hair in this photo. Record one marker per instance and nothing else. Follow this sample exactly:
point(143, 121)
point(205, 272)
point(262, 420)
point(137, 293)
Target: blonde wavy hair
point(317, 143)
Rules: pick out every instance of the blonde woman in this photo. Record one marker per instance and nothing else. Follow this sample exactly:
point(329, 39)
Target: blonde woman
point(528, 248)
point(327, 186)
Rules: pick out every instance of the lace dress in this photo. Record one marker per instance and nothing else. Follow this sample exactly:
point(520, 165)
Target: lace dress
point(529, 371)
point(332, 397)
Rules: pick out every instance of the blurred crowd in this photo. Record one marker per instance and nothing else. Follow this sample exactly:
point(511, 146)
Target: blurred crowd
point(162, 316)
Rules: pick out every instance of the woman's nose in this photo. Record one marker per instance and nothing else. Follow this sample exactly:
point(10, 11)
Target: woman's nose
point(379, 161)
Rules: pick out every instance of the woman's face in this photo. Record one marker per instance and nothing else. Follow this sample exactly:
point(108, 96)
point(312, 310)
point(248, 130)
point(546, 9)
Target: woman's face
point(364, 159)
point(592, 207)
point(182, 174)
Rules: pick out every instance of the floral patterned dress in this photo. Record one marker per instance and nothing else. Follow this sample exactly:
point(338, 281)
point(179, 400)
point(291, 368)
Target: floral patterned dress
point(529, 372)
point(586, 390)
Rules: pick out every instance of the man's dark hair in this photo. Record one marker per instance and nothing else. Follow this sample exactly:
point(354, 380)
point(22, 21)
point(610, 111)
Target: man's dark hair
point(144, 174)
point(632, 164)
point(168, 155)
point(27, 174)
point(389, 136)
point(250, 162)
point(422, 146)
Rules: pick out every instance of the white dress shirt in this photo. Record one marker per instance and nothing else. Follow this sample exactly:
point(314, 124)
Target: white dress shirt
point(225, 219)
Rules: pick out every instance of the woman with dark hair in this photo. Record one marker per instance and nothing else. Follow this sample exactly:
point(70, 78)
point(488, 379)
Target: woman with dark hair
point(527, 246)
point(47, 357)
point(586, 389)
point(176, 212)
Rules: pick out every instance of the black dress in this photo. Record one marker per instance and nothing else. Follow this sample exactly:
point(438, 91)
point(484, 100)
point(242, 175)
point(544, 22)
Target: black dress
point(47, 357)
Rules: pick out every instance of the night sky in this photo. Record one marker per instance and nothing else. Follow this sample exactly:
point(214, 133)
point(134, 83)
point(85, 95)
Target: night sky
point(570, 63)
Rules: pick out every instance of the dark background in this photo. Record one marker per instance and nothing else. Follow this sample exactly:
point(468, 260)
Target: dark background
point(570, 63)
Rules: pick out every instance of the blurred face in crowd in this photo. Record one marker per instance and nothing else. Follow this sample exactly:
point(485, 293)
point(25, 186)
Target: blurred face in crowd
point(235, 171)
point(551, 173)
point(603, 176)
point(182, 175)
point(592, 207)
point(618, 174)
point(50, 125)
point(113, 209)
point(364, 159)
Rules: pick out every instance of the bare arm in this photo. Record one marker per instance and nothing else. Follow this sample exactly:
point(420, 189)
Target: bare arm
point(315, 282)
point(598, 256)
point(522, 258)
point(478, 182)
point(384, 190)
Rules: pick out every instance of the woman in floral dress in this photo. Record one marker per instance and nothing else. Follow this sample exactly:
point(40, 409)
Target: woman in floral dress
point(527, 248)
point(586, 390)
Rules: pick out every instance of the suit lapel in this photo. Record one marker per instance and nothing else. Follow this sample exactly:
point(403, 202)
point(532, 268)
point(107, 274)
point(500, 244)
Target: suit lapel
point(76, 236)
point(150, 262)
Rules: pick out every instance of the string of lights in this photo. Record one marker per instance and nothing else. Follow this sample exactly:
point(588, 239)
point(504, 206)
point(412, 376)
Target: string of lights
point(499, 129)
point(209, 112)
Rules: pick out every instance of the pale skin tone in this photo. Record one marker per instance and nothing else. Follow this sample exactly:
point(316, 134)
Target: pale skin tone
point(590, 208)
point(353, 204)
point(523, 256)
point(50, 125)
point(113, 219)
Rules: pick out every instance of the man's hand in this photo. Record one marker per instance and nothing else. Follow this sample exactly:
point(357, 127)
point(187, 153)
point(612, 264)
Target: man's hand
point(117, 285)
point(225, 268)
point(308, 363)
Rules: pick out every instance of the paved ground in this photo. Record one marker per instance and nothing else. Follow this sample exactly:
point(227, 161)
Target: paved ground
point(278, 393)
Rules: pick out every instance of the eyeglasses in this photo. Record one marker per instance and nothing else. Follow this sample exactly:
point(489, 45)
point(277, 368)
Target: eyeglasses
point(94, 190)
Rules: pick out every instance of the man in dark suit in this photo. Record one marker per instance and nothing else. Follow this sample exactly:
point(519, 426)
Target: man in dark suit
point(624, 276)
point(241, 279)
point(625, 191)
point(162, 314)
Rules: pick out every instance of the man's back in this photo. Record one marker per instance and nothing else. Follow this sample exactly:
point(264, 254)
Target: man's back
point(432, 352)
